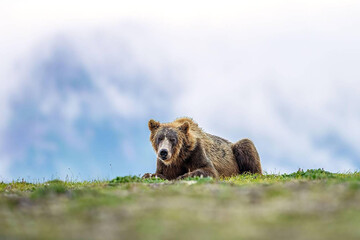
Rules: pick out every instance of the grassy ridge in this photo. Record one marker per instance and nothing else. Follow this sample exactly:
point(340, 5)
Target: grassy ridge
point(312, 204)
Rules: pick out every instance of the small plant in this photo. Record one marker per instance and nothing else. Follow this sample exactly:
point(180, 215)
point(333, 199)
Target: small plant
point(53, 187)
point(311, 174)
point(126, 179)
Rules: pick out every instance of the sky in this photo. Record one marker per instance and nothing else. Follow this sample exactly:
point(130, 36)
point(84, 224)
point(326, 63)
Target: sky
point(80, 80)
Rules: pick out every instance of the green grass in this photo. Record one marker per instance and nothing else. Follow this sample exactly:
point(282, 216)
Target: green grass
point(312, 204)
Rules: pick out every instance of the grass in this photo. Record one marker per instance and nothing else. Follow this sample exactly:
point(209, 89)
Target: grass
point(312, 204)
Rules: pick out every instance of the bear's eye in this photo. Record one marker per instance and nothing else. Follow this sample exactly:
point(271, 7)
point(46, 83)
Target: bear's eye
point(160, 138)
point(172, 140)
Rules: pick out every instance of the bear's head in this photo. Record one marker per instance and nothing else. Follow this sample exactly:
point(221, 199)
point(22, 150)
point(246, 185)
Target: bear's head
point(169, 140)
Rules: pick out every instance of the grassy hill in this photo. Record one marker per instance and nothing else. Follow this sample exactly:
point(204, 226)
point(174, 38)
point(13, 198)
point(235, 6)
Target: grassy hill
point(312, 204)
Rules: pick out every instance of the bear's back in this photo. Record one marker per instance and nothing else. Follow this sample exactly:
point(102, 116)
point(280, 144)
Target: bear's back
point(220, 153)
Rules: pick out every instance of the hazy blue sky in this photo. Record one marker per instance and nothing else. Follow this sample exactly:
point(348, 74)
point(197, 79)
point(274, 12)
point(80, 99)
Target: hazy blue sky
point(80, 80)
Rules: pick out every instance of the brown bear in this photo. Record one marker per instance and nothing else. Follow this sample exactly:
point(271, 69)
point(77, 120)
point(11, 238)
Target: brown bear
point(184, 150)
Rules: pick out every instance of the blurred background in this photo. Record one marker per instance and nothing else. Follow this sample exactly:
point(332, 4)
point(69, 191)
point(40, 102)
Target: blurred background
point(81, 79)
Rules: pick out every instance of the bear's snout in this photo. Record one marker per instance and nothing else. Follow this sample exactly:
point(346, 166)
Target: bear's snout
point(163, 153)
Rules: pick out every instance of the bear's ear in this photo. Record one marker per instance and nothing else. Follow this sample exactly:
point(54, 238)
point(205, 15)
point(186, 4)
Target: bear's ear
point(153, 125)
point(185, 127)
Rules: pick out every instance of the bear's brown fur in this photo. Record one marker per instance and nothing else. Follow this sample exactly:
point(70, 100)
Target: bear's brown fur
point(188, 151)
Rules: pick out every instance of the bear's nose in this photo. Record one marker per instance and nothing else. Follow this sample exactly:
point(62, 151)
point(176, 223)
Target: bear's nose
point(163, 153)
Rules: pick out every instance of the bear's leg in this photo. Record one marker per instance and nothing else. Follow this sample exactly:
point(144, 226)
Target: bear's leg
point(247, 157)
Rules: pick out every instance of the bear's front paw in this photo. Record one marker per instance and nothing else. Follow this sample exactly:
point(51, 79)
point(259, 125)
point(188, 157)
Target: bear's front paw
point(182, 176)
point(147, 175)
point(196, 173)
point(154, 175)
point(187, 175)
